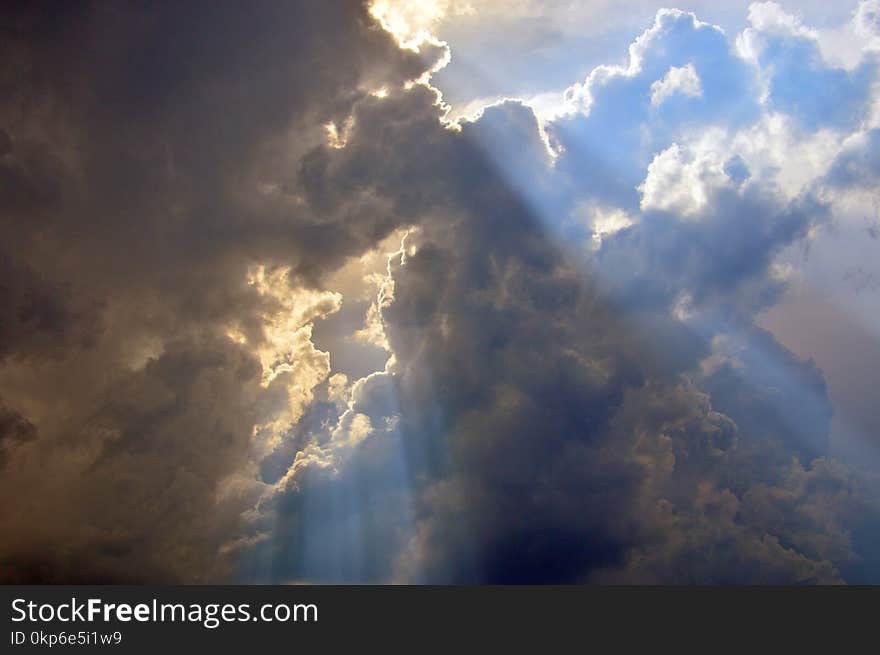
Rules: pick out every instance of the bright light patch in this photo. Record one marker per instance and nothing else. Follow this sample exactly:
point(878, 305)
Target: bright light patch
point(677, 182)
point(373, 331)
point(411, 22)
point(336, 137)
point(683, 80)
point(288, 357)
point(287, 328)
point(603, 221)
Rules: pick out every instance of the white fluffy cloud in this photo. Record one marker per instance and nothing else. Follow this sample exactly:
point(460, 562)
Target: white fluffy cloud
point(681, 184)
point(682, 79)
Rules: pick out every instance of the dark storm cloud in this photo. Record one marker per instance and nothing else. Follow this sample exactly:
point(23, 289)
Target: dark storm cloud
point(557, 418)
point(173, 117)
point(131, 492)
point(39, 317)
point(149, 156)
point(569, 425)
point(550, 426)
point(723, 259)
point(15, 429)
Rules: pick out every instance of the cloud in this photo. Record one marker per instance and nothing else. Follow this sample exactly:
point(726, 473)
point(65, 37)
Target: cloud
point(796, 78)
point(143, 180)
point(678, 186)
point(275, 326)
point(682, 80)
point(15, 430)
point(552, 424)
point(616, 128)
point(858, 163)
point(867, 22)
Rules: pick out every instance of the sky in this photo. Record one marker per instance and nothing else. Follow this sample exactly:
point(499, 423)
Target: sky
point(440, 292)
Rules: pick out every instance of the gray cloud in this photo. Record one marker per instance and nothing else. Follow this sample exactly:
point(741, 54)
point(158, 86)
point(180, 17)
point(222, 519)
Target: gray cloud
point(550, 427)
point(141, 179)
point(556, 418)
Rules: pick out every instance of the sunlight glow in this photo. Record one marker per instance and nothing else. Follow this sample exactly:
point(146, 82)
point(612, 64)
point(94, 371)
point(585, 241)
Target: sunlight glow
point(412, 22)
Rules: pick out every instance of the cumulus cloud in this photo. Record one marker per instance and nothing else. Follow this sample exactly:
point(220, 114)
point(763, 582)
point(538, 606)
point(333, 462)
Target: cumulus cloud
point(796, 79)
point(867, 22)
point(679, 186)
point(682, 80)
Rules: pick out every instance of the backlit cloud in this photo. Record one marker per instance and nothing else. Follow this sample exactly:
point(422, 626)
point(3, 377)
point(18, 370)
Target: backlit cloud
point(277, 316)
